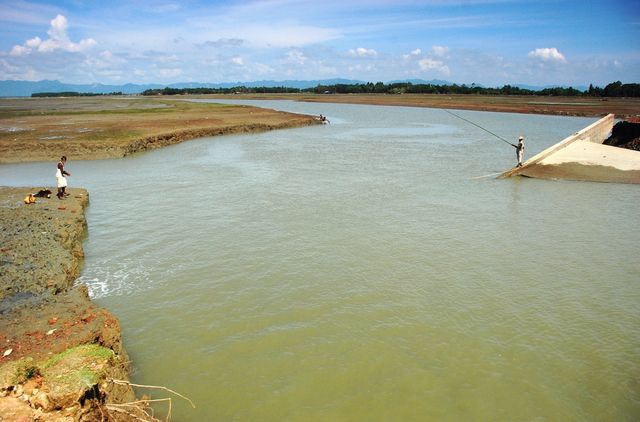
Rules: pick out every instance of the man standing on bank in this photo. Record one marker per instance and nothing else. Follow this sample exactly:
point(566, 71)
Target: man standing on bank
point(519, 150)
point(62, 180)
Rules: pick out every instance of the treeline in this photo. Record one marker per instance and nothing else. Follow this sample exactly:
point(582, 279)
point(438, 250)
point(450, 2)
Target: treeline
point(71, 94)
point(615, 89)
point(233, 90)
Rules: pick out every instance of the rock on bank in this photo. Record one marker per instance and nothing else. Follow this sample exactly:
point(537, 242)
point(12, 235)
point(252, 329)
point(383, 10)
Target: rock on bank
point(59, 352)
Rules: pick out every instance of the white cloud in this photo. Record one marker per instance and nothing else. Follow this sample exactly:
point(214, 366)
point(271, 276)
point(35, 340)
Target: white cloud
point(58, 40)
point(169, 73)
point(548, 55)
point(224, 42)
point(362, 52)
point(427, 64)
point(263, 69)
point(32, 75)
point(296, 57)
point(19, 50)
point(414, 53)
point(257, 34)
point(362, 68)
point(237, 60)
point(33, 43)
point(105, 60)
point(166, 58)
point(439, 51)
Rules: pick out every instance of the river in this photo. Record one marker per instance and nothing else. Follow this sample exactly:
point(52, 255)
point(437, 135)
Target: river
point(365, 271)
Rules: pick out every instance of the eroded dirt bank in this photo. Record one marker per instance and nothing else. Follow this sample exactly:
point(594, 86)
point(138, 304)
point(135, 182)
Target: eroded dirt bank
point(60, 355)
point(102, 128)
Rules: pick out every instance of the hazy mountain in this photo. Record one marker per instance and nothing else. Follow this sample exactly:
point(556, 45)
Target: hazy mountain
point(26, 88)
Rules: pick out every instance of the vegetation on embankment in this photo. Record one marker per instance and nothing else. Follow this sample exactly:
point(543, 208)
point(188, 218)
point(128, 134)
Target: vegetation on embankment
point(85, 128)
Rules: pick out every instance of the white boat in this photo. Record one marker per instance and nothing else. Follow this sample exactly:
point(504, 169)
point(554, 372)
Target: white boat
point(582, 156)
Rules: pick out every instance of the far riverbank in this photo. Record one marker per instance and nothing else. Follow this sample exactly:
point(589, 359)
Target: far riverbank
point(623, 108)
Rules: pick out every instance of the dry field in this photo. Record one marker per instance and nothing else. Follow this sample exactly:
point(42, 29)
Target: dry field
point(624, 108)
point(43, 129)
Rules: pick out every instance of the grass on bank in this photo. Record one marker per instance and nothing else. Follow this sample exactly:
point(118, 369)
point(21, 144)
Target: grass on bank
point(43, 129)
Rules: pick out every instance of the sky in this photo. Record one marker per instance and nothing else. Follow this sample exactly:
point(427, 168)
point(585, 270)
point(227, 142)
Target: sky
point(487, 42)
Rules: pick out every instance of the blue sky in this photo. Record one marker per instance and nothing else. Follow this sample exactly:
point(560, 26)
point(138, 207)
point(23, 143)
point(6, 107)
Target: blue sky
point(489, 42)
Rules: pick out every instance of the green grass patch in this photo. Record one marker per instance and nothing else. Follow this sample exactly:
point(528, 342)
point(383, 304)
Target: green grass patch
point(90, 351)
point(25, 370)
point(78, 367)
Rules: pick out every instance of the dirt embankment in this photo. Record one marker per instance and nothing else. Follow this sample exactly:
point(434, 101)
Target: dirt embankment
point(624, 108)
point(61, 356)
point(101, 128)
point(159, 141)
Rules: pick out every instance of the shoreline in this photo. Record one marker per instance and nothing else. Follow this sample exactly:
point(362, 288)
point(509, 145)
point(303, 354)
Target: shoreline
point(106, 128)
point(624, 108)
point(157, 141)
point(61, 356)
point(59, 352)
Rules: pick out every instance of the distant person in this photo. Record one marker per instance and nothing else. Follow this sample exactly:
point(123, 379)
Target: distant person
point(519, 150)
point(62, 180)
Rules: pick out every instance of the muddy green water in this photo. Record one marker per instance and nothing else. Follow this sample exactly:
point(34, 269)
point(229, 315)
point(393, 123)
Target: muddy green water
point(358, 272)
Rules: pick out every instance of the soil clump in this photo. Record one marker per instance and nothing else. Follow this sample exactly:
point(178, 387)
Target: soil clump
point(625, 135)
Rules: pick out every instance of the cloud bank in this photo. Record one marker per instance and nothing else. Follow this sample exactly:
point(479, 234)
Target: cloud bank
point(58, 40)
point(201, 41)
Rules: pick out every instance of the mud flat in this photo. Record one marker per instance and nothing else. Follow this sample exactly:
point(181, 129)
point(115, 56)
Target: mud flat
point(624, 108)
point(61, 356)
point(43, 129)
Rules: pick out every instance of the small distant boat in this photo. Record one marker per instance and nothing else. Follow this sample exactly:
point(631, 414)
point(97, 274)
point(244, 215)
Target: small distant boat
point(322, 119)
point(583, 156)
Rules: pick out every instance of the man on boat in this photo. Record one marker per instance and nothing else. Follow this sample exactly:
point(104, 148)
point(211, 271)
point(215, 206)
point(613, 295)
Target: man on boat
point(519, 150)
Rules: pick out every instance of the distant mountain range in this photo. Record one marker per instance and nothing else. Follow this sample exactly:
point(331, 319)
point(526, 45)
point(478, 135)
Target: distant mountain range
point(26, 88)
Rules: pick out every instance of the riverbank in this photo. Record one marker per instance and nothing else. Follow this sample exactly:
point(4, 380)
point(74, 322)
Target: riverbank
point(60, 354)
point(623, 108)
point(43, 129)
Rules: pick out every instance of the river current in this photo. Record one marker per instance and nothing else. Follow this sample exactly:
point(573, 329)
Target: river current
point(366, 270)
